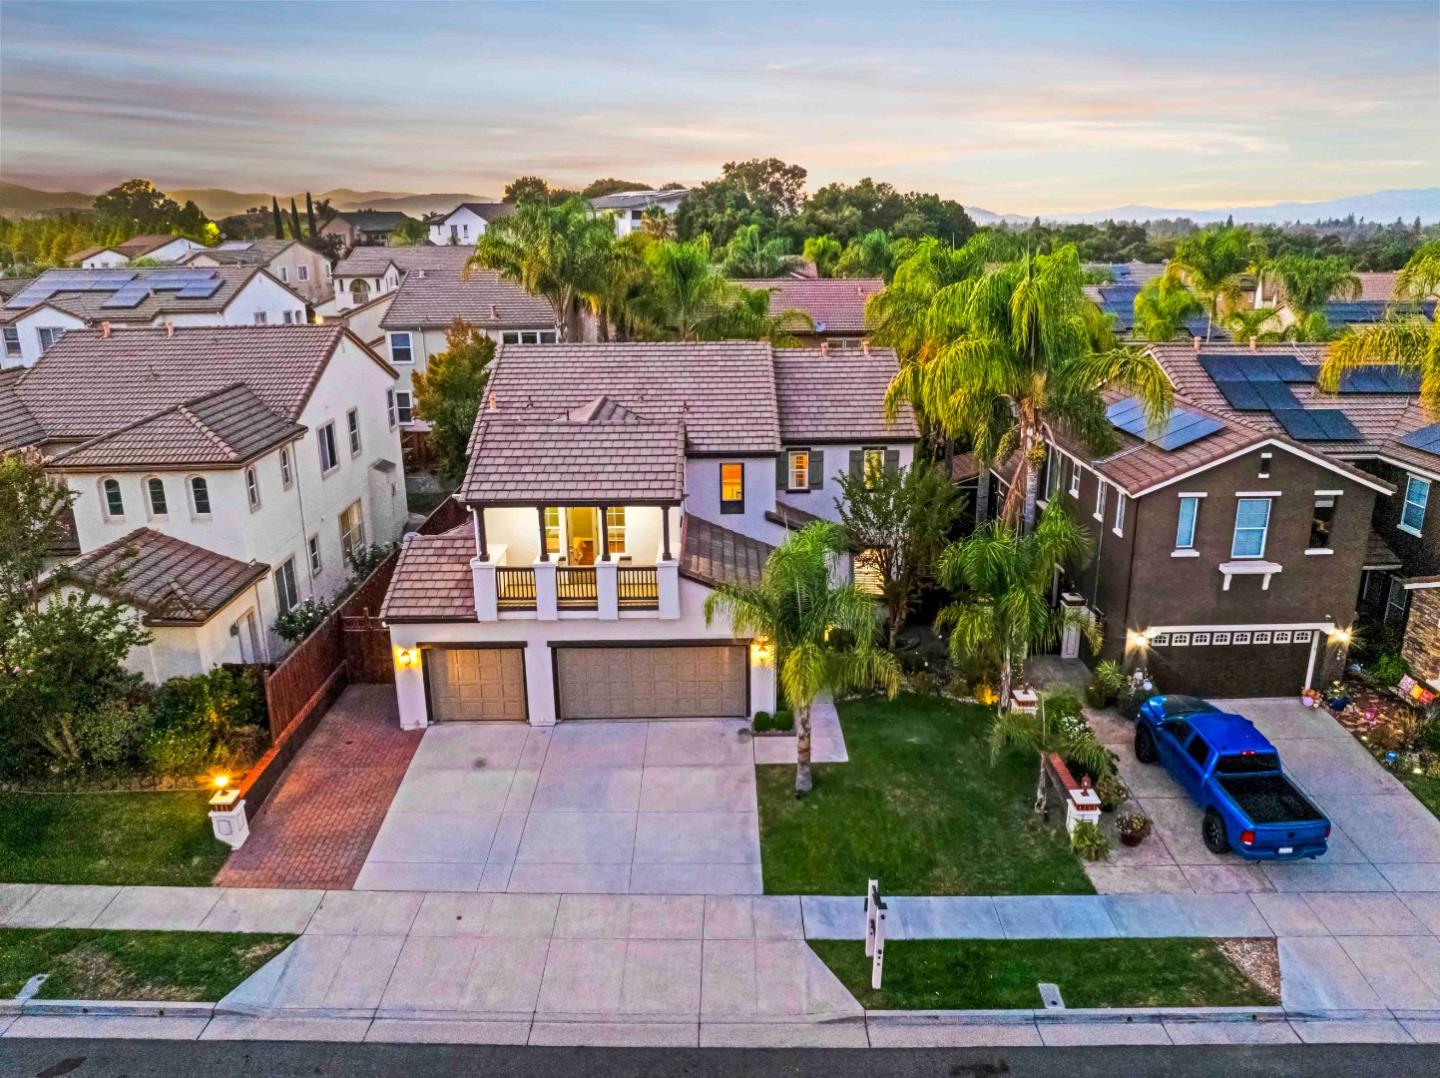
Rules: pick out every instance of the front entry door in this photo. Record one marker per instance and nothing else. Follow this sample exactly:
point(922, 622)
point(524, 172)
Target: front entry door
point(582, 528)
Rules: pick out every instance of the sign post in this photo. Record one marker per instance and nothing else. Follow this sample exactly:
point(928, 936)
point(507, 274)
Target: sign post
point(875, 932)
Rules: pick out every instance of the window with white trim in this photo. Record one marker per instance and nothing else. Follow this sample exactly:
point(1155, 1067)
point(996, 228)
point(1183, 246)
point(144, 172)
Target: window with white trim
point(329, 458)
point(155, 494)
point(528, 336)
point(261, 318)
point(615, 528)
point(1100, 502)
point(1185, 526)
point(312, 546)
point(1074, 479)
point(404, 411)
point(401, 350)
point(1395, 602)
point(114, 500)
point(552, 530)
point(287, 475)
point(329, 272)
point(252, 488)
point(1320, 521)
point(287, 594)
point(303, 272)
point(1417, 498)
point(390, 408)
point(799, 470)
point(49, 335)
point(1120, 512)
point(199, 495)
point(352, 430)
point(352, 531)
point(1252, 526)
point(12, 341)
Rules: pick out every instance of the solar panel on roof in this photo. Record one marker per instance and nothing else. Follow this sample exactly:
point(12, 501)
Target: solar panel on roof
point(1381, 378)
point(1426, 439)
point(199, 290)
point(1183, 427)
point(129, 295)
point(1316, 424)
point(1256, 367)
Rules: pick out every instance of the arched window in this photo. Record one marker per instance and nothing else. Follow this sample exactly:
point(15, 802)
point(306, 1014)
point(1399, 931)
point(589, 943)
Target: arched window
point(155, 491)
point(114, 501)
point(200, 495)
point(360, 291)
point(252, 488)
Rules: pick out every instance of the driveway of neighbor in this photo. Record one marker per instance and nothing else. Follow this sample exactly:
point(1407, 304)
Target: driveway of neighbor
point(659, 807)
point(1383, 839)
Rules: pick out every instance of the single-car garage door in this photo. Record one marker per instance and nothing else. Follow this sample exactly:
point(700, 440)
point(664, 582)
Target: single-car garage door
point(685, 681)
point(476, 684)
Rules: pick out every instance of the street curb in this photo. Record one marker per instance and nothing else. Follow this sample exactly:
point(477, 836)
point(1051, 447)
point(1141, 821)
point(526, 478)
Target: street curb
point(1088, 1016)
point(72, 1008)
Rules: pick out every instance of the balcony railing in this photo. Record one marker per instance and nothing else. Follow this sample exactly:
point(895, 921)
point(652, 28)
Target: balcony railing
point(514, 588)
point(638, 587)
point(575, 587)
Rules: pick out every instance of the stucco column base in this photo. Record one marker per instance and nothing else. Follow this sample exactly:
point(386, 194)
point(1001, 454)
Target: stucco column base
point(547, 599)
point(607, 590)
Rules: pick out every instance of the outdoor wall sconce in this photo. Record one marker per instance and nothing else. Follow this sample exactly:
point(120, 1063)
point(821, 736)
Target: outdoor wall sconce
point(1137, 640)
point(762, 650)
point(406, 657)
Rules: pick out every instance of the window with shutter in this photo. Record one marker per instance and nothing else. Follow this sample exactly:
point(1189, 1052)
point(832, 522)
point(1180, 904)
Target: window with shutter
point(817, 469)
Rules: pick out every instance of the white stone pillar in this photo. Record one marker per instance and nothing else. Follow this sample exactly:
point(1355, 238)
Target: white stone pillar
point(487, 604)
point(547, 599)
point(667, 579)
point(607, 590)
point(228, 821)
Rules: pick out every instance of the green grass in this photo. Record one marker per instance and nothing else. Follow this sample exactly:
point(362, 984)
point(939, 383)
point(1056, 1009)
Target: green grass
point(918, 807)
point(95, 964)
point(122, 838)
point(1004, 974)
point(1425, 789)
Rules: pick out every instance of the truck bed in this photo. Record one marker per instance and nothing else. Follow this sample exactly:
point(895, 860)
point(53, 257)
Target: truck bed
point(1269, 798)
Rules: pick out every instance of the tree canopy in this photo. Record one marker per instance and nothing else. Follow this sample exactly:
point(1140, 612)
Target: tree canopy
point(448, 394)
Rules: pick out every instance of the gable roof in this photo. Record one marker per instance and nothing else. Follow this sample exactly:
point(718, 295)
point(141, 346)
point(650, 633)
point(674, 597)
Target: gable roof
point(712, 555)
point(838, 397)
point(834, 304)
point(133, 248)
point(223, 428)
point(173, 582)
point(432, 579)
point(488, 211)
point(432, 299)
point(373, 220)
point(85, 293)
point(251, 253)
point(87, 384)
point(373, 261)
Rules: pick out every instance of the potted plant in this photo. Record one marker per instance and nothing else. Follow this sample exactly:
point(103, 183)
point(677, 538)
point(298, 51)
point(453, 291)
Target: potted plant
point(1112, 792)
point(1309, 698)
point(1110, 678)
point(1133, 827)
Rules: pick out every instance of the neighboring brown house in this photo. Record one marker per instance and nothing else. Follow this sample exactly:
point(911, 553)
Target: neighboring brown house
point(835, 305)
point(364, 228)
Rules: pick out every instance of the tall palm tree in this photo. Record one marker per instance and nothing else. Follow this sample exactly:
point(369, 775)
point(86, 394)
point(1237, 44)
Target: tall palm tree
point(746, 315)
point(1245, 324)
point(1016, 355)
point(1309, 283)
point(558, 252)
point(1163, 306)
point(683, 290)
point(1406, 339)
point(823, 633)
point(748, 254)
point(1002, 578)
point(1213, 262)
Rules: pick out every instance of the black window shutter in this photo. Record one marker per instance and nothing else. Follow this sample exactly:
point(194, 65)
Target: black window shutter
point(857, 463)
point(817, 469)
point(892, 460)
point(782, 478)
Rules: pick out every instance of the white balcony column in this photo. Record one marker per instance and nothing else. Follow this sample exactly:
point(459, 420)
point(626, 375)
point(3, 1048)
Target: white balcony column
point(667, 580)
point(487, 606)
point(547, 599)
point(607, 590)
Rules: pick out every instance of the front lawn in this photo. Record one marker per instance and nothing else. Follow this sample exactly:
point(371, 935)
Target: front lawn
point(1004, 974)
point(918, 807)
point(118, 838)
point(1425, 788)
point(96, 964)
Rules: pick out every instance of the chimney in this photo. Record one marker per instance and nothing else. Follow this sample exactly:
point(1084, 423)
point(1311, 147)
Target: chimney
point(1196, 342)
point(494, 404)
point(824, 349)
point(105, 330)
point(865, 346)
point(169, 328)
point(494, 312)
point(1254, 344)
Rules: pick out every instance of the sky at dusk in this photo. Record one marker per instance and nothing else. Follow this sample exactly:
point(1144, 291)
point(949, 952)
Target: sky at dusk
point(1018, 107)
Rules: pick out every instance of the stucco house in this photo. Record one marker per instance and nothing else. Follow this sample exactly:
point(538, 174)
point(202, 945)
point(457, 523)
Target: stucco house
point(466, 223)
point(835, 305)
point(364, 228)
point(628, 207)
point(611, 488)
point(274, 446)
point(61, 301)
point(302, 268)
point(153, 248)
point(367, 273)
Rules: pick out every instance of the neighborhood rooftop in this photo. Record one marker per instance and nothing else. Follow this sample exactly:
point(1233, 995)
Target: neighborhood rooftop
point(133, 248)
point(244, 252)
point(839, 397)
point(834, 304)
point(434, 298)
point(373, 261)
point(132, 295)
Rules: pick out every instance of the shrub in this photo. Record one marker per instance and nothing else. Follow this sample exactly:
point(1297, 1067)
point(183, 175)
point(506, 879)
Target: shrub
point(1109, 677)
point(1428, 738)
point(1112, 792)
point(1095, 695)
point(179, 750)
point(1389, 668)
point(301, 620)
point(784, 719)
point(1088, 842)
point(109, 736)
point(209, 719)
point(1062, 707)
point(763, 721)
point(365, 560)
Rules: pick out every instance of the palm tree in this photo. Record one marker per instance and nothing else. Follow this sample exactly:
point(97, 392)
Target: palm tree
point(1003, 581)
point(1250, 324)
point(1035, 733)
point(657, 224)
point(749, 255)
point(557, 252)
point(823, 633)
point(1406, 339)
point(746, 316)
point(1213, 262)
point(1163, 306)
point(683, 290)
point(1014, 356)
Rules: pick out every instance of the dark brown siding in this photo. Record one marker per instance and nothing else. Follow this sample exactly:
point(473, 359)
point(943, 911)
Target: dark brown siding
point(1420, 554)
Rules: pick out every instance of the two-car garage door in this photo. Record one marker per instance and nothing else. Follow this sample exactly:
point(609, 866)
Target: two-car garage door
point(647, 682)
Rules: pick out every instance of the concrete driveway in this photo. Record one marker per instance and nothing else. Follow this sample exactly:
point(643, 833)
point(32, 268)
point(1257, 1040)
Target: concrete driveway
point(663, 807)
point(1383, 839)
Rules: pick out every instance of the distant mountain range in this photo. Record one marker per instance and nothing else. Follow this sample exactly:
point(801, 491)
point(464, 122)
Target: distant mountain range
point(217, 202)
point(1386, 206)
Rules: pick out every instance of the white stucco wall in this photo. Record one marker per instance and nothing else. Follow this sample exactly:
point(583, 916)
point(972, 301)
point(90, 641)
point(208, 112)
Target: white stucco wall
point(837, 462)
point(379, 283)
point(702, 494)
point(467, 223)
point(261, 293)
point(517, 529)
point(106, 259)
point(28, 327)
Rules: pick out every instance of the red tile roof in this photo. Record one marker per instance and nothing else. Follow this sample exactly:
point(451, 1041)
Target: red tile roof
point(838, 397)
point(432, 579)
point(834, 304)
point(433, 298)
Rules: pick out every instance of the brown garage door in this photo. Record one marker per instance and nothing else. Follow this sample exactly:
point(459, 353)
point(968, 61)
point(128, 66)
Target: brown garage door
point(688, 681)
point(476, 684)
point(1228, 669)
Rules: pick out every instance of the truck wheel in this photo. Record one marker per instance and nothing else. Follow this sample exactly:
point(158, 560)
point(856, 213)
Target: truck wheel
point(1213, 831)
point(1145, 750)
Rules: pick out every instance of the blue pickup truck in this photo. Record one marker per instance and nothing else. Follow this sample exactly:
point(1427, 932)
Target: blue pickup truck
point(1231, 771)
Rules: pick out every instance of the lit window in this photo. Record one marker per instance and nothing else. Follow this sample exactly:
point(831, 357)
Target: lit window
point(352, 428)
point(732, 488)
point(155, 489)
point(313, 546)
point(329, 458)
point(552, 530)
point(114, 501)
point(1320, 522)
point(252, 488)
point(1185, 529)
point(352, 531)
point(615, 528)
point(286, 476)
point(12, 341)
point(1417, 497)
point(287, 595)
point(200, 495)
point(1252, 523)
point(403, 410)
point(874, 463)
point(866, 572)
point(400, 349)
point(799, 469)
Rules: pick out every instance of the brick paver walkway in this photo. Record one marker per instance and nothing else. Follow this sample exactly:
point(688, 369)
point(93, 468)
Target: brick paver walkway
point(318, 825)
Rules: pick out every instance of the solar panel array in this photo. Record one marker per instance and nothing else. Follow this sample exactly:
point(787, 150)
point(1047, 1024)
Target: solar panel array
point(1316, 424)
point(1119, 302)
point(1256, 396)
point(1260, 382)
point(1380, 379)
point(1426, 439)
point(129, 288)
point(1354, 312)
point(48, 284)
point(1183, 427)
